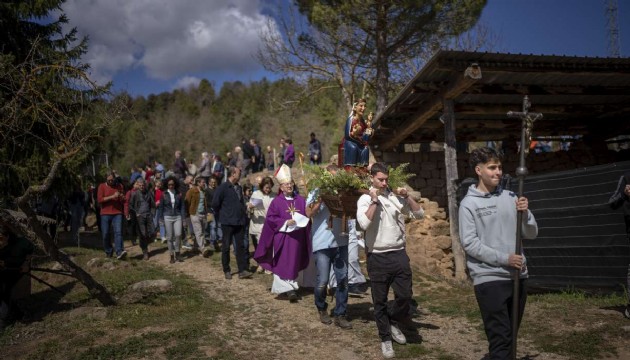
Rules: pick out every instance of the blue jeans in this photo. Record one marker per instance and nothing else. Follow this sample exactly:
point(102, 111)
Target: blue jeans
point(216, 234)
point(159, 222)
point(338, 257)
point(116, 223)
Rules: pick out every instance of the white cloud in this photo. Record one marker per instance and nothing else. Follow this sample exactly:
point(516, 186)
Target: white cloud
point(168, 39)
point(186, 82)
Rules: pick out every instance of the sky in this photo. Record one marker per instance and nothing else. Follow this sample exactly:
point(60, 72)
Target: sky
point(154, 46)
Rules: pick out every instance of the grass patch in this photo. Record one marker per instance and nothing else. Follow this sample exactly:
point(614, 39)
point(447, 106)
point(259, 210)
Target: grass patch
point(574, 323)
point(174, 325)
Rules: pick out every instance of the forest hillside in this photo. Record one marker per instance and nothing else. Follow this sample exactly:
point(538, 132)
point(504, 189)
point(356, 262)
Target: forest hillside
point(203, 119)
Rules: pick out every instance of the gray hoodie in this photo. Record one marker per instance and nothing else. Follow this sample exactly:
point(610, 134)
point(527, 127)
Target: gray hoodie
point(487, 231)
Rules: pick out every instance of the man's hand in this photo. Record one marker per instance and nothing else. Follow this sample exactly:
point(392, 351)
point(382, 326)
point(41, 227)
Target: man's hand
point(522, 204)
point(516, 261)
point(291, 222)
point(626, 190)
point(374, 194)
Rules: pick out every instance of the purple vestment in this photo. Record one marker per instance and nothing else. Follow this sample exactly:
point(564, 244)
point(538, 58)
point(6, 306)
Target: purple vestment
point(284, 254)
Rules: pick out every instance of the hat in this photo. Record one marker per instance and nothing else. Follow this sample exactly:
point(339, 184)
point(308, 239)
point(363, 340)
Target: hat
point(283, 174)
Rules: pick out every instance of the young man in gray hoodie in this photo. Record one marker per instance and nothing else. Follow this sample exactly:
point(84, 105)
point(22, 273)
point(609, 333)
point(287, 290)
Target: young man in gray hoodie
point(487, 230)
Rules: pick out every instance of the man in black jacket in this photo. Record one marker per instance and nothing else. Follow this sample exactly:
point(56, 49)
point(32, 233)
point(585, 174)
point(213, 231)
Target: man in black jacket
point(229, 208)
point(621, 198)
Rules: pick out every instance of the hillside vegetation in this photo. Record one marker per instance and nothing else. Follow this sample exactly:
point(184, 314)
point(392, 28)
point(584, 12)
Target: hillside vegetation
point(202, 119)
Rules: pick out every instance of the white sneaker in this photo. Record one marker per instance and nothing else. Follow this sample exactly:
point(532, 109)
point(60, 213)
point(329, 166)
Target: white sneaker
point(387, 349)
point(626, 313)
point(397, 335)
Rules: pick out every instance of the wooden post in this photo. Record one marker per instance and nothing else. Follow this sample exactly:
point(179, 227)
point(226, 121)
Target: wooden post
point(450, 161)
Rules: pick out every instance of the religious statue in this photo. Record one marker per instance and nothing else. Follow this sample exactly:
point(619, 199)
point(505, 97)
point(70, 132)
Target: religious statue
point(356, 135)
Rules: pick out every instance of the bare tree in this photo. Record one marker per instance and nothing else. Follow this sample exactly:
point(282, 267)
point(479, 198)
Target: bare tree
point(350, 42)
point(52, 115)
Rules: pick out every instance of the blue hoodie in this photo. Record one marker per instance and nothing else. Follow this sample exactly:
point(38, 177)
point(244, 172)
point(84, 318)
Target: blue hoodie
point(487, 231)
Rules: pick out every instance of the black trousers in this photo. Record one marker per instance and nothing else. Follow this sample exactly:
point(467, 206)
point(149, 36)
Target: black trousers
point(390, 269)
point(144, 223)
point(233, 234)
point(495, 303)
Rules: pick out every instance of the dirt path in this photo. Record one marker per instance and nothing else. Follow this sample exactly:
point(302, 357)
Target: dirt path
point(272, 328)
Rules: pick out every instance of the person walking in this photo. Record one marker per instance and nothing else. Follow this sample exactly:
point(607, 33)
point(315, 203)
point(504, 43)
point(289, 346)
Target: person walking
point(487, 231)
point(330, 249)
point(284, 246)
point(196, 209)
point(621, 199)
point(111, 198)
point(142, 204)
point(229, 207)
point(172, 212)
point(381, 213)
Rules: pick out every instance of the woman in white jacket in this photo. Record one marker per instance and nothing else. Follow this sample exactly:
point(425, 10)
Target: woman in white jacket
point(257, 207)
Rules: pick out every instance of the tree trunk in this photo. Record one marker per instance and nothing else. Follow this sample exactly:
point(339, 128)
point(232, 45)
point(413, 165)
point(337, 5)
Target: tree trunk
point(382, 58)
point(450, 160)
point(97, 290)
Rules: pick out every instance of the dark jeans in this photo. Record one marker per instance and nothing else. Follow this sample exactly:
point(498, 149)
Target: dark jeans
point(144, 223)
point(233, 234)
point(495, 303)
point(390, 269)
point(338, 257)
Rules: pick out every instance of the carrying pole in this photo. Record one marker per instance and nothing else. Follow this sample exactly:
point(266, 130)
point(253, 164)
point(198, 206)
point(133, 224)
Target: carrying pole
point(527, 123)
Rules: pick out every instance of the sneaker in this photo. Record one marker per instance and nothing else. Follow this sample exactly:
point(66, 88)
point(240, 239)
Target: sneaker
point(626, 313)
point(397, 335)
point(164, 241)
point(357, 289)
point(122, 255)
point(228, 275)
point(293, 296)
point(342, 322)
point(207, 252)
point(388, 349)
point(245, 275)
point(187, 247)
point(324, 318)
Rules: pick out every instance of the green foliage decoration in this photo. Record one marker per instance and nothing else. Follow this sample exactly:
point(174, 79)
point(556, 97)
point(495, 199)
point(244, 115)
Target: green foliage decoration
point(351, 179)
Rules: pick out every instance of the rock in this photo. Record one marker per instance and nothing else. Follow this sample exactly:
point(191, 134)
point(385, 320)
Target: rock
point(443, 242)
point(436, 254)
point(151, 286)
point(440, 228)
point(89, 312)
point(138, 291)
point(440, 215)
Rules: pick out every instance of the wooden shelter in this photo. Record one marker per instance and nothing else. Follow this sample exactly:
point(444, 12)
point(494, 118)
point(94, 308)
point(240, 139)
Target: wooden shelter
point(465, 96)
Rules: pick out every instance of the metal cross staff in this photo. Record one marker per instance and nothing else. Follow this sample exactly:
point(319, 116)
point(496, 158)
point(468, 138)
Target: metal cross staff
point(528, 119)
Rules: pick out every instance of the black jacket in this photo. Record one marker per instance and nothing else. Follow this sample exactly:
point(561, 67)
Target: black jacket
point(166, 207)
point(228, 204)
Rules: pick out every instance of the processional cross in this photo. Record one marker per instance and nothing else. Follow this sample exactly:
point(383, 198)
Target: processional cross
point(528, 119)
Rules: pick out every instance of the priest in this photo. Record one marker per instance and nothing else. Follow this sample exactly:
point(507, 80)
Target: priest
point(284, 247)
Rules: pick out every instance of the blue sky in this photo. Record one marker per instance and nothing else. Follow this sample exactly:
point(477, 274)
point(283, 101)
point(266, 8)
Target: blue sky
point(152, 46)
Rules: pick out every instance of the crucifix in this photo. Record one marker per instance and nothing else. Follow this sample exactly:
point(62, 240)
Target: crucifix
point(527, 119)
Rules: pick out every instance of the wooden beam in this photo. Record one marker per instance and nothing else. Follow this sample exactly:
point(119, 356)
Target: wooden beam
point(450, 161)
point(455, 87)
